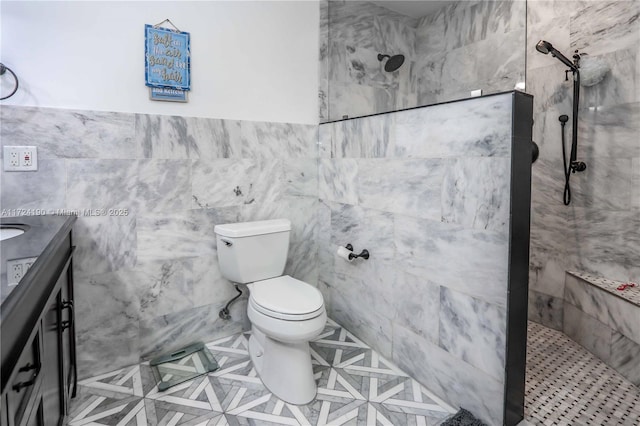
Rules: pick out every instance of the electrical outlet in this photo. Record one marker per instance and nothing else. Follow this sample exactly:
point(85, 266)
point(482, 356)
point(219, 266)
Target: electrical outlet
point(26, 159)
point(16, 272)
point(20, 158)
point(14, 159)
point(17, 268)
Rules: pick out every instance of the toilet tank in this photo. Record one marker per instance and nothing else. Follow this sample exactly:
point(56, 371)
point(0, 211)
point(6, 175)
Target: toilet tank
point(253, 251)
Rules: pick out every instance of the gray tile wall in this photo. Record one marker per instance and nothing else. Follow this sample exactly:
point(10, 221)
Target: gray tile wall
point(608, 326)
point(355, 80)
point(470, 45)
point(461, 47)
point(323, 62)
point(426, 191)
point(598, 232)
point(148, 281)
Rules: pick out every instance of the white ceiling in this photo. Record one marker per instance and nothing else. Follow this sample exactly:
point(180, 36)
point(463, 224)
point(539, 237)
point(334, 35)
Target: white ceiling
point(413, 9)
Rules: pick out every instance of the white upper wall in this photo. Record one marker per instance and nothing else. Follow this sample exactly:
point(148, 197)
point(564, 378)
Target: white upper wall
point(250, 60)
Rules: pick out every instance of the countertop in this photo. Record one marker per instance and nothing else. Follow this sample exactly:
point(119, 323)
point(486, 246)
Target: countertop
point(41, 232)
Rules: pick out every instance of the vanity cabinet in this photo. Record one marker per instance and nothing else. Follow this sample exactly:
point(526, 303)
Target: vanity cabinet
point(22, 394)
point(38, 342)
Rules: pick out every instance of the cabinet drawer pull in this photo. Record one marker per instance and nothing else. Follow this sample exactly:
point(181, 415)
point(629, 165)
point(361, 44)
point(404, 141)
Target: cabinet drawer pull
point(26, 384)
point(67, 304)
point(28, 367)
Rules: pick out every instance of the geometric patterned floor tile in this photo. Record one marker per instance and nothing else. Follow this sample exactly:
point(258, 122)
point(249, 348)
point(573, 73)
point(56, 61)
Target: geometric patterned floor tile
point(125, 380)
point(356, 386)
point(161, 413)
point(566, 385)
point(99, 407)
point(195, 396)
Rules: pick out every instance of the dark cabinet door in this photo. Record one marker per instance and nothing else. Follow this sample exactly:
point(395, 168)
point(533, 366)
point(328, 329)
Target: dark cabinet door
point(37, 415)
point(67, 330)
point(59, 349)
point(24, 384)
point(52, 395)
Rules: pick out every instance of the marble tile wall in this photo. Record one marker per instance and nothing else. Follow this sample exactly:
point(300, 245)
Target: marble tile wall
point(448, 53)
point(430, 201)
point(607, 325)
point(323, 62)
point(356, 82)
point(470, 45)
point(147, 280)
point(598, 232)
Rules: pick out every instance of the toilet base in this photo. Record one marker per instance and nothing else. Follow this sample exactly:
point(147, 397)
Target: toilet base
point(284, 368)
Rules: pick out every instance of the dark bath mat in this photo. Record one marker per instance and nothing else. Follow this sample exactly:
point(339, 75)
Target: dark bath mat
point(463, 418)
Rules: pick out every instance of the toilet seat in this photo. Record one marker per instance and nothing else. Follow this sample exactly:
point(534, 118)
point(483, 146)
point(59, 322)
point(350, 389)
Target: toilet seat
point(286, 298)
point(283, 316)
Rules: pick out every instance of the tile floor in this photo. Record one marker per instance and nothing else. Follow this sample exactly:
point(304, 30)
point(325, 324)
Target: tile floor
point(568, 386)
point(356, 386)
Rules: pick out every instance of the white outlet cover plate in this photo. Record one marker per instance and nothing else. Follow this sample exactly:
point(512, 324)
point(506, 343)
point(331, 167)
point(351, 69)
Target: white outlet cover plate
point(20, 150)
point(22, 262)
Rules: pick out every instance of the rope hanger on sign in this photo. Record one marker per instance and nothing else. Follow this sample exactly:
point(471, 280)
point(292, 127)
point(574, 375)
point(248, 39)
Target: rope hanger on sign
point(170, 23)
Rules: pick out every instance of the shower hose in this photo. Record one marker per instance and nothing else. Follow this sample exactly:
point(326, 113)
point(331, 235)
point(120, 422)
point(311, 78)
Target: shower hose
point(566, 169)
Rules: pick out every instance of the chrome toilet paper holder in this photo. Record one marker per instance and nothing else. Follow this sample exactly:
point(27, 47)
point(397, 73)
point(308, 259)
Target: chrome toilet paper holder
point(363, 254)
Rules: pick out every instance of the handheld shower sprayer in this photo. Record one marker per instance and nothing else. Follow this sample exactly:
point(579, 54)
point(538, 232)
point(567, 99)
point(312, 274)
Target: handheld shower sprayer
point(546, 48)
point(574, 67)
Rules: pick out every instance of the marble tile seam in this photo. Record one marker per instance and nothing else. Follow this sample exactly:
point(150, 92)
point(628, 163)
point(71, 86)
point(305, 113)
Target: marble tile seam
point(446, 224)
point(419, 157)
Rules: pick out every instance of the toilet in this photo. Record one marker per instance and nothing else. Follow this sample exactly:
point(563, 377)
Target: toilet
point(285, 313)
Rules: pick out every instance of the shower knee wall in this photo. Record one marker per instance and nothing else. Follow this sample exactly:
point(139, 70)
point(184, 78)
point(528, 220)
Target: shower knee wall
point(439, 195)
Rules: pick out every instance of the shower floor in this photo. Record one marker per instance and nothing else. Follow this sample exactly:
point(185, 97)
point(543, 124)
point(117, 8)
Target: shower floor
point(567, 385)
point(356, 386)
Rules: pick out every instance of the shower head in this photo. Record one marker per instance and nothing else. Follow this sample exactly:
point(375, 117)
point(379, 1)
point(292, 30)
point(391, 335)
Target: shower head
point(592, 70)
point(546, 48)
point(393, 63)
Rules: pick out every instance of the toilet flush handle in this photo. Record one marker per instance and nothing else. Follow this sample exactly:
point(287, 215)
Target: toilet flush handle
point(226, 242)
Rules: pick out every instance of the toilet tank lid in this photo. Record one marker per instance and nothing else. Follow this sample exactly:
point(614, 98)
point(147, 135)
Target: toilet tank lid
point(248, 229)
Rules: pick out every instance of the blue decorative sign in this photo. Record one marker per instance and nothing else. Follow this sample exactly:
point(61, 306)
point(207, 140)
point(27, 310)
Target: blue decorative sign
point(167, 58)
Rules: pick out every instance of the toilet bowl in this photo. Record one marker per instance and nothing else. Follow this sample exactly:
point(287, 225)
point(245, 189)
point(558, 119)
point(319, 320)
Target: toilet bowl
point(285, 313)
point(281, 331)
